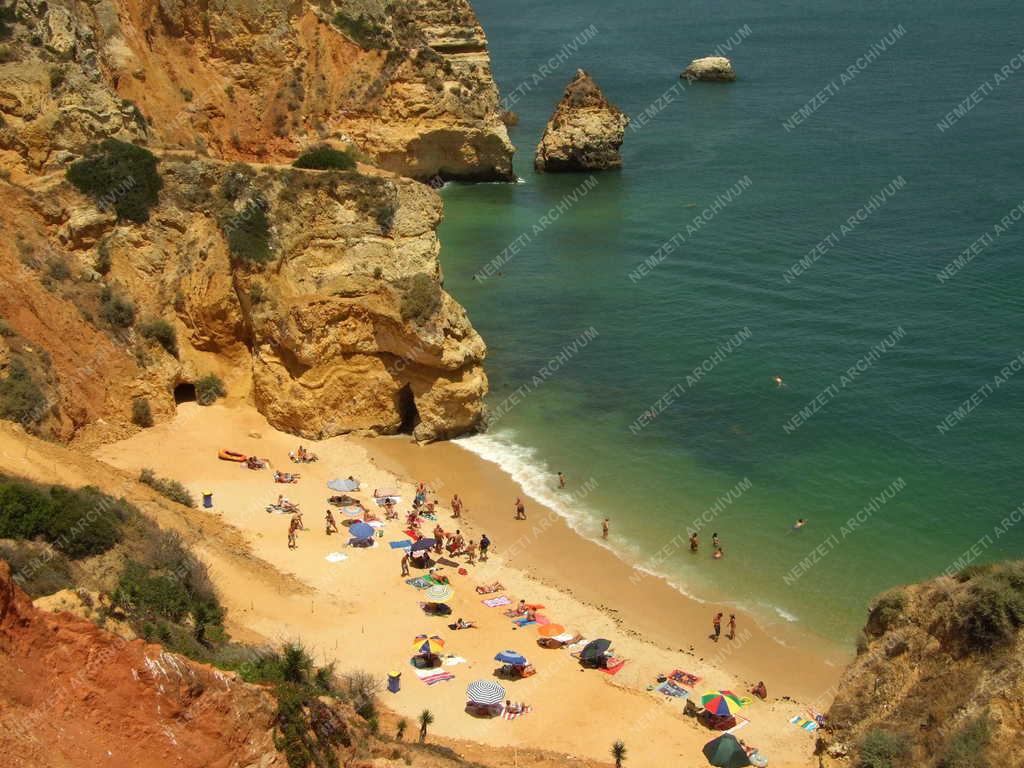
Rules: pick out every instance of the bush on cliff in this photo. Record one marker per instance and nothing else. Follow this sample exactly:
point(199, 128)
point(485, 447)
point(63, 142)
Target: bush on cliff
point(21, 397)
point(172, 489)
point(362, 29)
point(880, 749)
point(116, 310)
point(248, 232)
point(209, 388)
point(992, 611)
point(121, 176)
point(421, 298)
point(142, 413)
point(325, 158)
point(162, 332)
point(78, 523)
point(967, 746)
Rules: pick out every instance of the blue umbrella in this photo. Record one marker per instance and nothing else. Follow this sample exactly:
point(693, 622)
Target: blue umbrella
point(511, 657)
point(423, 544)
point(361, 531)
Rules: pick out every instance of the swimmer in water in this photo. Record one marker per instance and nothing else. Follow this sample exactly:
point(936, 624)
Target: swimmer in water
point(778, 381)
point(799, 524)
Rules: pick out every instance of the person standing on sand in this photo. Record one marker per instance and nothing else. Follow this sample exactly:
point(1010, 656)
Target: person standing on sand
point(732, 626)
point(717, 621)
point(520, 509)
point(485, 544)
point(471, 552)
point(604, 529)
point(456, 506)
point(332, 527)
point(561, 480)
point(694, 544)
point(405, 563)
point(292, 527)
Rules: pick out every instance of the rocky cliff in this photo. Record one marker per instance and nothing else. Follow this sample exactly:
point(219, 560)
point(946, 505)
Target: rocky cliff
point(76, 695)
point(938, 679)
point(337, 322)
point(710, 69)
point(585, 131)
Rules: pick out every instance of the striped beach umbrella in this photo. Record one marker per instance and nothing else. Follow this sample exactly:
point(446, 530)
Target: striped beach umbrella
point(485, 692)
point(424, 644)
point(439, 593)
point(722, 703)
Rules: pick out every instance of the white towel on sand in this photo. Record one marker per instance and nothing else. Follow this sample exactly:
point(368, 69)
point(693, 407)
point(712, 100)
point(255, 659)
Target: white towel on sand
point(336, 557)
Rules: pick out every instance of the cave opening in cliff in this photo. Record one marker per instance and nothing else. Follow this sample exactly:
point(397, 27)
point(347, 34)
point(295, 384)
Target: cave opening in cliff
point(407, 409)
point(185, 393)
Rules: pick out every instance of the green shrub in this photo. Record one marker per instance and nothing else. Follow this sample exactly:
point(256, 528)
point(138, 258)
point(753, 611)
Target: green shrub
point(58, 269)
point(257, 293)
point(21, 397)
point(57, 78)
point(162, 332)
point(172, 489)
point(362, 29)
point(7, 17)
point(248, 232)
point(325, 158)
point(209, 388)
point(103, 258)
point(5, 330)
point(117, 311)
point(993, 610)
point(78, 523)
point(886, 609)
point(421, 298)
point(142, 414)
point(965, 749)
point(880, 749)
point(141, 592)
point(36, 570)
point(119, 175)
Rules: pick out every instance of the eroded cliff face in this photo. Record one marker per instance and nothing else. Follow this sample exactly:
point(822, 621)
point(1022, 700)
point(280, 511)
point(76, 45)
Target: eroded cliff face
point(585, 131)
point(342, 324)
point(409, 83)
point(938, 679)
point(77, 695)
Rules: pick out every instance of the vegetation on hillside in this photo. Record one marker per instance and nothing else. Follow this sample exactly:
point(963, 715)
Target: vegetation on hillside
point(326, 158)
point(172, 489)
point(363, 29)
point(421, 298)
point(209, 388)
point(162, 332)
point(121, 176)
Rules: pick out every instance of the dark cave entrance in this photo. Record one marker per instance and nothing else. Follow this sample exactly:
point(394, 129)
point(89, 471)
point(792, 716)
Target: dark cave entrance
point(185, 393)
point(406, 404)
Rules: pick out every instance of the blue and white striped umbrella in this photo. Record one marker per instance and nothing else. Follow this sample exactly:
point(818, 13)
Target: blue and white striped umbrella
point(511, 657)
point(485, 692)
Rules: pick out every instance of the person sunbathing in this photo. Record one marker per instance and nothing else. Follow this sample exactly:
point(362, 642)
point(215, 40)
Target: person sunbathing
point(460, 624)
point(521, 609)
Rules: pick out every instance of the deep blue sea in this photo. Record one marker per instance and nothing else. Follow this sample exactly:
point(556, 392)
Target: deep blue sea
point(661, 398)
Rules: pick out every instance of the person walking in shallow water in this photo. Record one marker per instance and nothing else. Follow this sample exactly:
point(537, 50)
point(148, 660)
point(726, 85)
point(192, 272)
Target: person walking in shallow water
point(694, 543)
point(717, 621)
point(732, 626)
point(604, 529)
point(561, 480)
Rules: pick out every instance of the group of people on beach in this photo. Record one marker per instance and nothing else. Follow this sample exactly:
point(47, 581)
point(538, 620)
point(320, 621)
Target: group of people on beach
point(716, 622)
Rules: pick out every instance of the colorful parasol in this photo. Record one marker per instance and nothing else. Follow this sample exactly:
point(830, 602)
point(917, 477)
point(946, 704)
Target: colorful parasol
point(424, 644)
point(722, 703)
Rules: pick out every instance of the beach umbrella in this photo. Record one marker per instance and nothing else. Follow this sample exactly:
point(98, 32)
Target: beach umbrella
point(439, 593)
point(360, 530)
point(595, 649)
point(550, 630)
point(485, 692)
point(722, 703)
point(511, 657)
point(424, 544)
point(343, 485)
point(424, 644)
point(726, 752)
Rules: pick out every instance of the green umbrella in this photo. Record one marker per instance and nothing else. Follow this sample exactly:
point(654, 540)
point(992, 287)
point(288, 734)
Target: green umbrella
point(726, 752)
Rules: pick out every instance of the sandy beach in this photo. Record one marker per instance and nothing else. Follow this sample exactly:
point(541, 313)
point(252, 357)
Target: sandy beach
point(360, 613)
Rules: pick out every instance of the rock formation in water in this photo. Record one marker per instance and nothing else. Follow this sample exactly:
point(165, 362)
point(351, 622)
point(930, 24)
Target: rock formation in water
point(938, 678)
point(315, 293)
point(585, 131)
point(710, 69)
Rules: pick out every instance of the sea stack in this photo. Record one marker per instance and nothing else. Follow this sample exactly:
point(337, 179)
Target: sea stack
point(584, 133)
point(715, 69)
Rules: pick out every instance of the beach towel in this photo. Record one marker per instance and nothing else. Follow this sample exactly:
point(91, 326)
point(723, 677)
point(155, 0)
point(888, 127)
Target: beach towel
point(352, 511)
point(671, 689)
point(578, 646)
point(419, 582)
point(524, 622)
point(440, 678)
point(446, 561)
point(412, 534)
point(335, 557)
point(383, 493)
point(403, 544)
point(343, 485)
point(741, 722)
point(451, 661)
point(382, 500)
point(802, 722)
point(614, 665)
point(494, 602)
point(685, 678)
point(506, 715)
point(375, 523)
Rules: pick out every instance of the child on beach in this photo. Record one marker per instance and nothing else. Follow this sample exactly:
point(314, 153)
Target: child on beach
point(520, 509)
point(332, 527)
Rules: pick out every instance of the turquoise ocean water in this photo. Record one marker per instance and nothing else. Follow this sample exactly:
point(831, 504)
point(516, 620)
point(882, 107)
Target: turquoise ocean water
point(877, 350)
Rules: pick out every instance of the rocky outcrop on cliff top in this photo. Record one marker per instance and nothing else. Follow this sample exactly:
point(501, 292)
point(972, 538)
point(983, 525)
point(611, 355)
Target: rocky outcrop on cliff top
point(938, 678)
point(585, 131)
point(710, 69)
point(75, 695)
